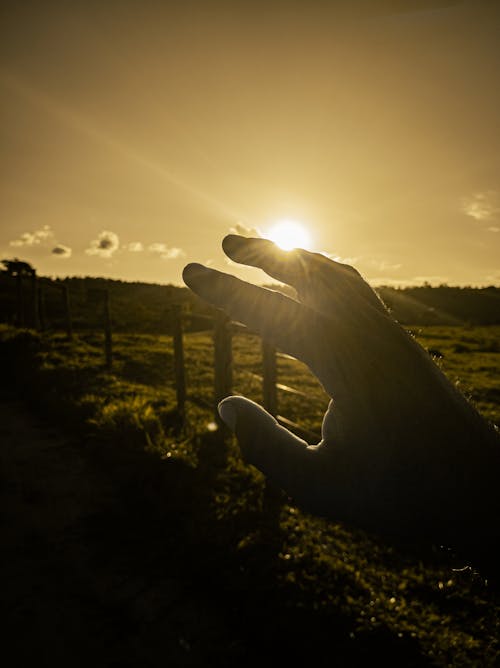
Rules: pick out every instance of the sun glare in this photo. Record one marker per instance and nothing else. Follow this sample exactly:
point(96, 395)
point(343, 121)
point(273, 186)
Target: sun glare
point(288, 234)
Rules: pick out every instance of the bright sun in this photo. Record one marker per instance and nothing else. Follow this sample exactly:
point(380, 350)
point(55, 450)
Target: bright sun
point(288, 234)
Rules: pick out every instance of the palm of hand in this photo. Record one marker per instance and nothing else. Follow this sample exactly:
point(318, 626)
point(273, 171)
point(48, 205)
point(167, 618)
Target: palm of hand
point(402, 452)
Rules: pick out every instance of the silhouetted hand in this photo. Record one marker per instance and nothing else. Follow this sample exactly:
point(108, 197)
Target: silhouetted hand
point(402, 451)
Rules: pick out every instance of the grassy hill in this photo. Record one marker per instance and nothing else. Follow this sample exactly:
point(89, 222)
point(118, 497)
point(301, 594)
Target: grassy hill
point(143, 307)
point(443, 305)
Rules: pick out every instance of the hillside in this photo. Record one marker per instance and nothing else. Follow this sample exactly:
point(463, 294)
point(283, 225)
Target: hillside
point(143, 307)
point(443, 305)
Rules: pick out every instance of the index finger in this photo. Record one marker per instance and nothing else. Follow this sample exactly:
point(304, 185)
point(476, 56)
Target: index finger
point(280, 320)
point(321, 283)
point(291, 267)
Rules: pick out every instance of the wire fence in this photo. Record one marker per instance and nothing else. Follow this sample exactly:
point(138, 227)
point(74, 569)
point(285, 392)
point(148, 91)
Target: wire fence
point(223, 330)
point(32, 312)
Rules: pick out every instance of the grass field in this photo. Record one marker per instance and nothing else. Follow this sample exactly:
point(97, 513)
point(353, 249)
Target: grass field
point(425, 608)
point(143, 363)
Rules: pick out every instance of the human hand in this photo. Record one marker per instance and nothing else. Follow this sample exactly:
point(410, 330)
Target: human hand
point(402, 451)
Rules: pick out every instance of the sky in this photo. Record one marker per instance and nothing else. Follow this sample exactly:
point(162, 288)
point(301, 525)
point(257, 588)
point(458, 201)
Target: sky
point(135, 135)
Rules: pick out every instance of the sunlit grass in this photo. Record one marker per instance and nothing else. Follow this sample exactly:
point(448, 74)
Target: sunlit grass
point(470, 356)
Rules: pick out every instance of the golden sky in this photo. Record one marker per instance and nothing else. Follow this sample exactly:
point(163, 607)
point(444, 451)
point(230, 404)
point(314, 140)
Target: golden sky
point(135, 135)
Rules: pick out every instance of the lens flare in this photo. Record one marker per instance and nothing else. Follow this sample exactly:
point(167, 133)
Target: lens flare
point(289, 234)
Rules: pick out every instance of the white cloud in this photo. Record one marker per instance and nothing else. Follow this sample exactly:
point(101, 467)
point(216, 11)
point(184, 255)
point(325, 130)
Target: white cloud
point(165, 252)
point(62, 251)
point(352, 261)
point(157, 248)
point(482, 205)
point(173, 254)
point(245, 231)
point(26, 239)
point(135, 247)
point(105, 245)
point(35, 238)
point(383, 265)
point(493, 228)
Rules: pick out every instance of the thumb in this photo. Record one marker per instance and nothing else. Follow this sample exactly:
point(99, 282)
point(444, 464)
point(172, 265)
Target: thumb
point(283, 457)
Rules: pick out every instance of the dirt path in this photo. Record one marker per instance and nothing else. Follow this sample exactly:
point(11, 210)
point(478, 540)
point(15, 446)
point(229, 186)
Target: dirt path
point(84, 581)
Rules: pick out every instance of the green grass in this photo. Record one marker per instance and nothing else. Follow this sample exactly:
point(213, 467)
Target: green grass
point(471, 358)
point(144, 363)
point(355, 586)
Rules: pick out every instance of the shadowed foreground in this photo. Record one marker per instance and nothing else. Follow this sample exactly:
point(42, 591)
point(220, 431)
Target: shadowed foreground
point(92, 576)
point(84, 579)
point(122, 550)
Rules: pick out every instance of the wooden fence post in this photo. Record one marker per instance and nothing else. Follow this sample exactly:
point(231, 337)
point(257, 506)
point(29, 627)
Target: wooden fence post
point(269, 378)
point(179, 372)
point(223, 360)
point(108, 341)
point(67, 311)
point(40, 296)
point(33, 311)
point(20, 300)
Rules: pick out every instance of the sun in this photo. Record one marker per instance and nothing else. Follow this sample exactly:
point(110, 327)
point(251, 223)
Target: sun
point(289, 234)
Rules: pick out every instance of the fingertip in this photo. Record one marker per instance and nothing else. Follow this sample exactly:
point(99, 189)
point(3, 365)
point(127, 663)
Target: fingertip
point(230, 238)
point(228, 413)
point(241, 411)
point(194, 272)
point(265, 444)
point(232, 243)
point(248, 250)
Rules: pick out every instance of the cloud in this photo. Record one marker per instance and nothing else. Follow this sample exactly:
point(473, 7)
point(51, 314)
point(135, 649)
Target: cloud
point(165, 252)
point(482, 205)
point(173, 254)
point(105, 245)
point(35, 238)
point(493, 228)
point(352, 261)
point(157, 248)
point(416, 281)
point(245, 231)
point(61, 251)
point(383, 265)
point(135, 247)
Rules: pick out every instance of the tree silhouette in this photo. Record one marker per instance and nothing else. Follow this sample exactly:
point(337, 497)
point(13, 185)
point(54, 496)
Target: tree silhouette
point(18, 267)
